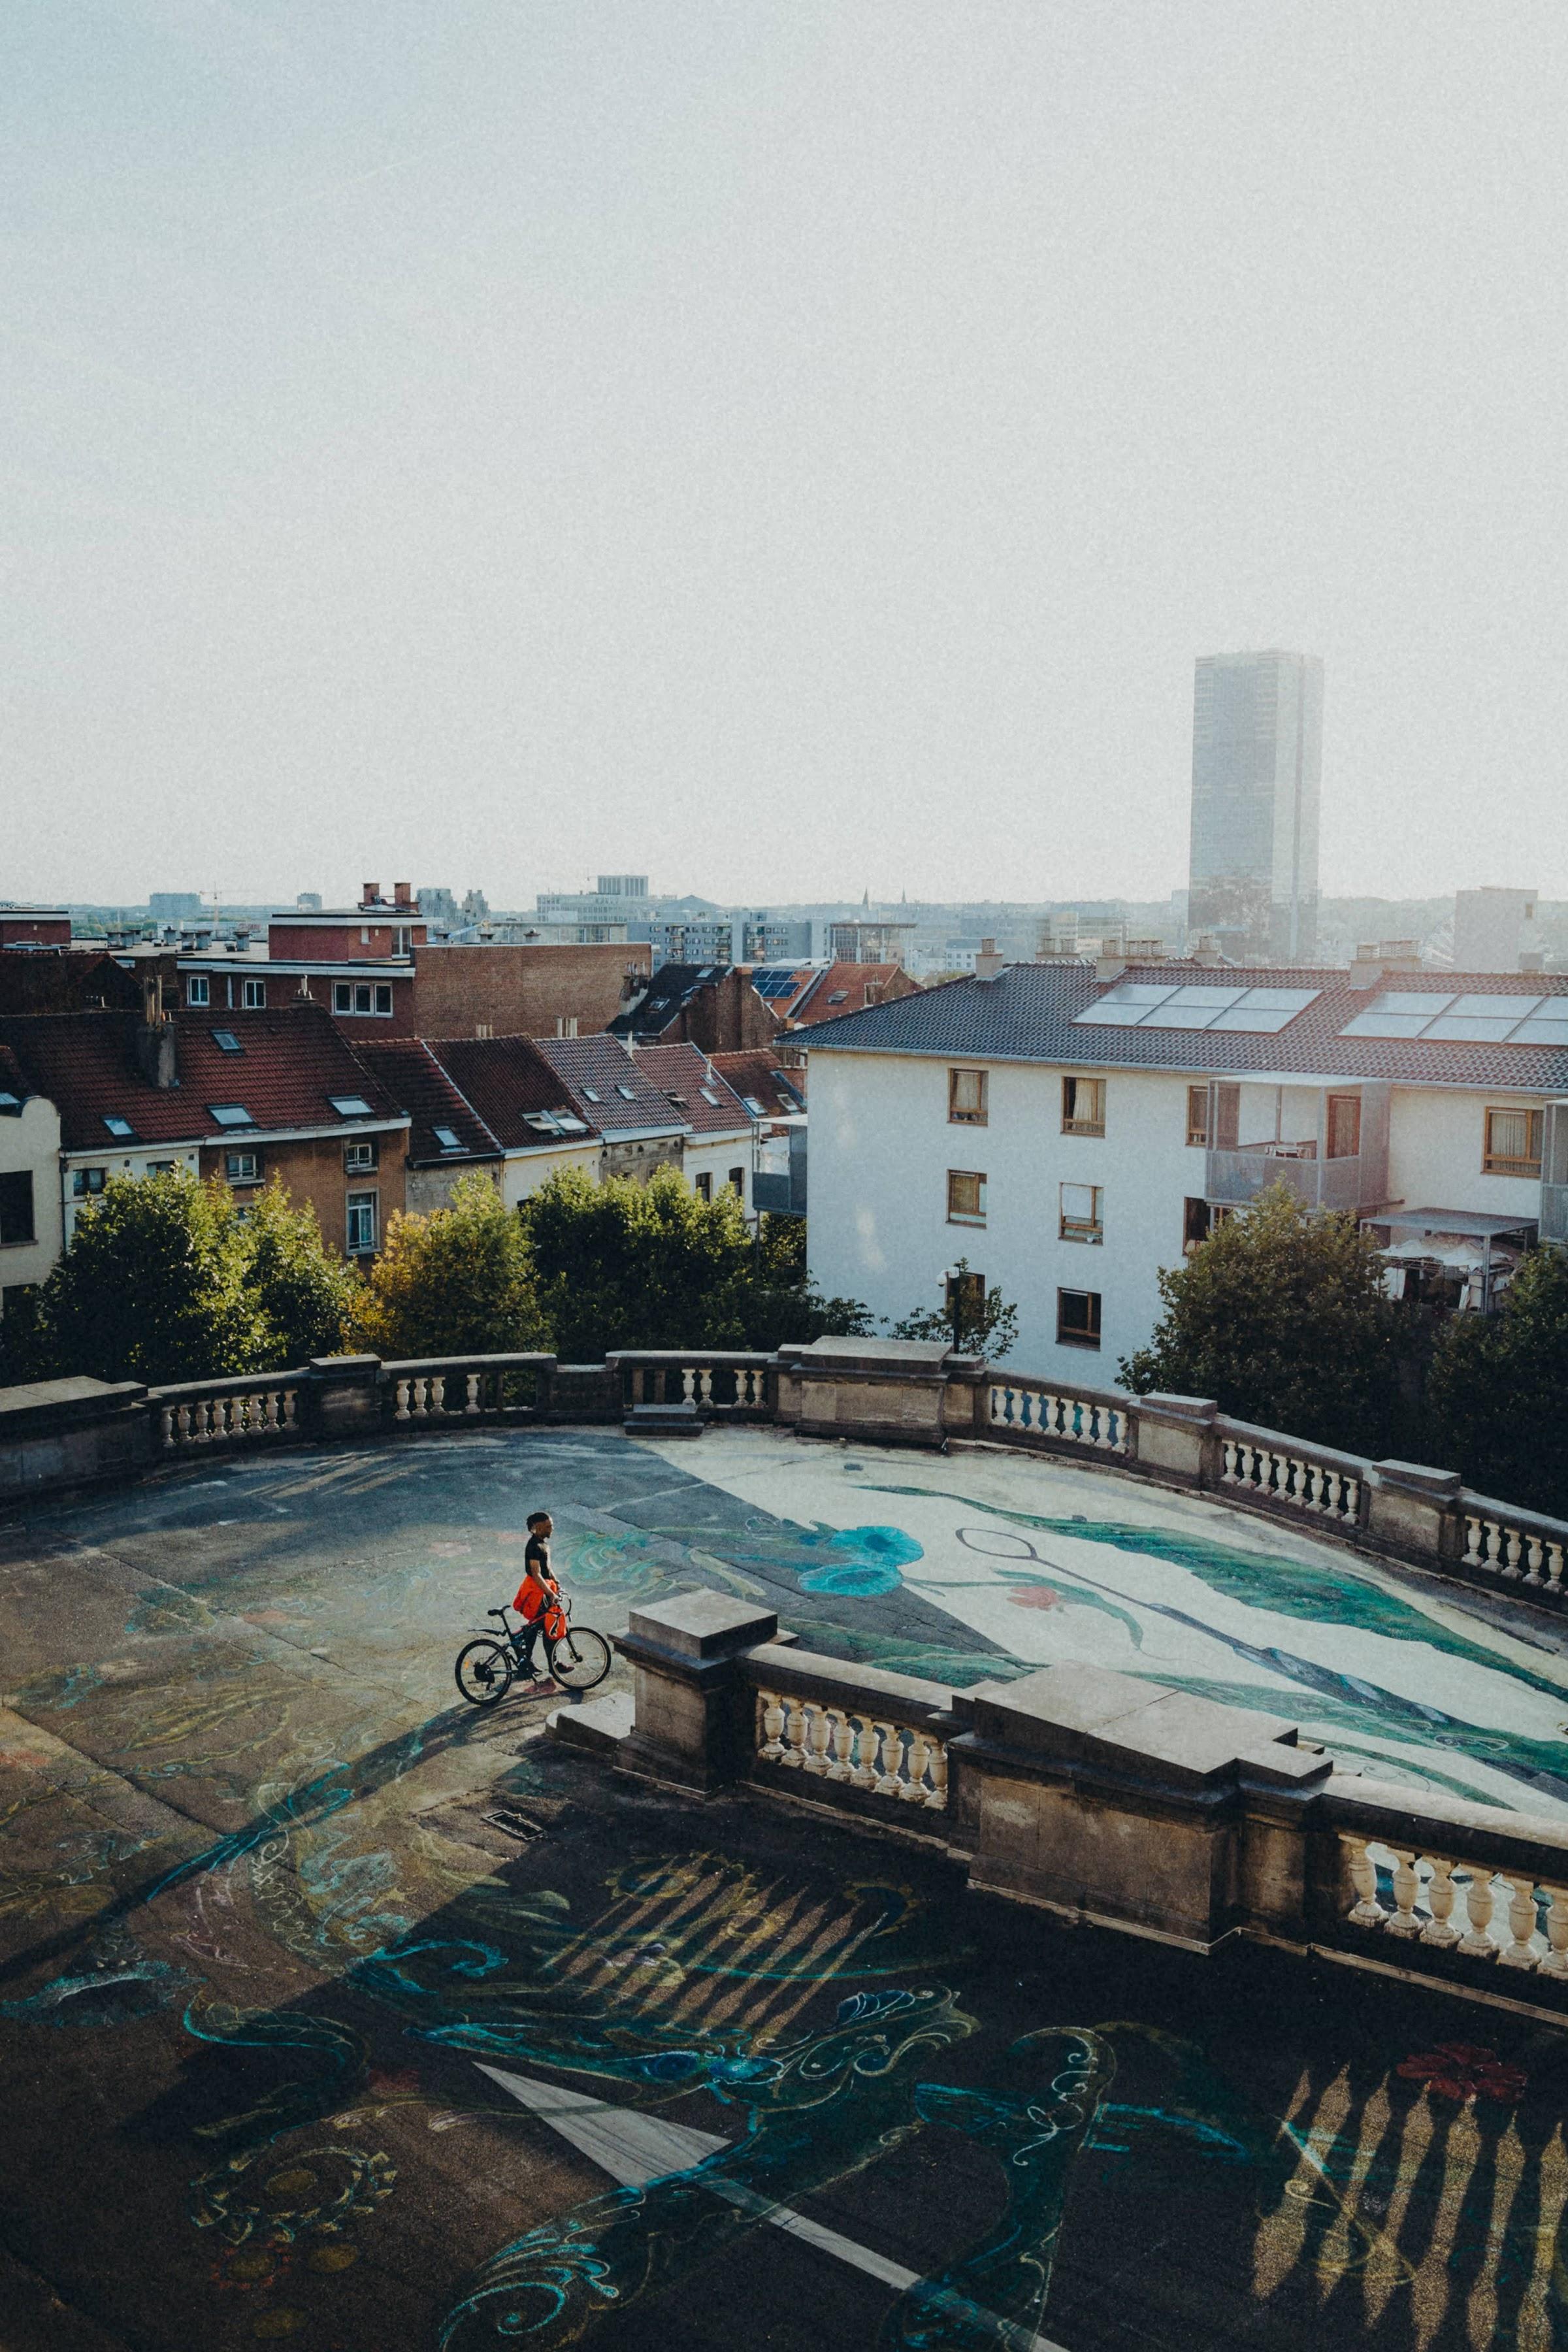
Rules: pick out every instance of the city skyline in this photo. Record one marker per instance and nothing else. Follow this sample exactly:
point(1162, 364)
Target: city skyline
point(796, 442)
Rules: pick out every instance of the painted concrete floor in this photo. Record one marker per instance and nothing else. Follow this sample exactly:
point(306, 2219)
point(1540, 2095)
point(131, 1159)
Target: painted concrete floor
point(331, 2011)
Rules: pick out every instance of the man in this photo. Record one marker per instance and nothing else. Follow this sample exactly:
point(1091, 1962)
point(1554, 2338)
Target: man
point(536, 1592)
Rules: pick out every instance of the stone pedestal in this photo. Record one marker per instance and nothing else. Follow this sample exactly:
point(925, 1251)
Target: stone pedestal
point(692, 1711)
point(1175, 1437)
point(340, 1396)
point(886, 1391)
point(1413, 1510)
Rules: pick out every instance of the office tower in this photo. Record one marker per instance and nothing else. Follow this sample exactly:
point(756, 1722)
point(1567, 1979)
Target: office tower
point(1257, 730)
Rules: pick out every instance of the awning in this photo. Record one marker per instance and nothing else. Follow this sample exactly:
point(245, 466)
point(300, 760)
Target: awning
point(1473, 1225)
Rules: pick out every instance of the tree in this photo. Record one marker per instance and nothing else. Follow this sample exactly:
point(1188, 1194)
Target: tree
point(455, 1282)
point(1495, 1386)
point(975, 1320)
point(622, 1264)
point(306, 1297)
point(154, 1286)
point(1280, 1316)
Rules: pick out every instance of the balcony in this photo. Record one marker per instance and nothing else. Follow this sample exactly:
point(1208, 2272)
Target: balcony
point(1329, 1145)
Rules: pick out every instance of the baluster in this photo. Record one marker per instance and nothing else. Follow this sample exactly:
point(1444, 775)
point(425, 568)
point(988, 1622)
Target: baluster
point(1406, 1887)
point(865, 1773)
point(269, 1403)
point(841, 1769)
point(993, 1393)
point(1534, 1552)
point(913, 1792)
point(166, 1425)
point(291, 1402)
point(1554, 1571)
point(1227, 1453)
point(471, 1406)
point(794, 1735)
point(203, 1420)
point(1440, 1893)
point(1367, 1911)
point(770, 1724)
point(1512, 1550)
point(1472, 1541)
point(183, 1423)
point(705, 1384)
point(936, 1795)
point(1555, 1963)
point(688, 1386)
point(400, 1410)
point(892, 1757)
point(1521, 1953)
point(1478, 1940)
point(816, 1757)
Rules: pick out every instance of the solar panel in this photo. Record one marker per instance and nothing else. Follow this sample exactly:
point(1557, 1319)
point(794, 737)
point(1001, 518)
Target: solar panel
point(1483, 1017)
point(1548, 1029)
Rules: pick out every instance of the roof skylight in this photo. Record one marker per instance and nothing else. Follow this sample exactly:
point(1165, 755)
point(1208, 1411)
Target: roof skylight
point(1156, 1004)
point(230, 1114)
point(1485, 1017)
point(121, 1129)
point(447, 1138)
point(351, 1106)
point(226, 1041)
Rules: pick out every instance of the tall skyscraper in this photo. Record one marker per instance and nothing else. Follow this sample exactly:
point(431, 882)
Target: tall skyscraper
point(1257, 744)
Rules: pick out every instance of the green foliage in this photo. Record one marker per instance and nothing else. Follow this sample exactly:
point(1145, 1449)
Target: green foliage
point(622, 1264)
point(1495, 1387)
point(169, 1279)
point(977, 1321)
point(1280, 1317)
point(455, 1282)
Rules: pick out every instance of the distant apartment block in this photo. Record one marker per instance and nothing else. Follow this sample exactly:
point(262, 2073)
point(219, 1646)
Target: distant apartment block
point(177, 906)
point(1257, 729)
point(1494, 928)
point(34, 926)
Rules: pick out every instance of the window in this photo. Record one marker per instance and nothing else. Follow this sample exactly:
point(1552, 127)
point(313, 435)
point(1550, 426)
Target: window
point(384, 996)
point(360, 1158)
point(342, 996)
point(702, 1185)
point(226, 1041)
point(965, 1197)
point(87, 1182)
point(737, 1182)
point(360, 1223)
point(1513, 1143)
point(162, 1166)
point(1083, 1106)
point(1197, 1115)
point(628, 1094)
point(1197, 1223)
point(1080, 1214)
point(447, 1138)
point(231, 1114)
point(402, 939)
point(121, 1129)
point(592, 1094)
point(566, 1024)
point(966, 1098)
point(242, 1167)
point(1344, 1127)
point(351, 1106)
point(253, 996)
point(1077, 1319)
point(197, 988)
point(364, 996)
point(16, 1209)
point(754, 1105)
point(708, 1096)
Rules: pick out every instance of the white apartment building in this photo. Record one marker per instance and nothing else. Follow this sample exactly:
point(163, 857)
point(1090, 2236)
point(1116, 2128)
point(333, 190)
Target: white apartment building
point(1068, 1133)
point(31, 1221)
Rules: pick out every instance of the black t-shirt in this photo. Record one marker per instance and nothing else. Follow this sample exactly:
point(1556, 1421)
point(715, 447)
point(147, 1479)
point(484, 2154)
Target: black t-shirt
point(536, 1558)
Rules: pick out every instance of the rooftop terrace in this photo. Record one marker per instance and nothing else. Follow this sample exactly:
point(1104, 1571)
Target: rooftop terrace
point(332, 2008)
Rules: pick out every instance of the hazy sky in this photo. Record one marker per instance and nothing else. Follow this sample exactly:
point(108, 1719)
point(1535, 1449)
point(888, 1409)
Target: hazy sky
point(783, 447)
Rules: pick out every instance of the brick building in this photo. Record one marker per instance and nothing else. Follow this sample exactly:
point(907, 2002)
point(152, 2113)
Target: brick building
point(713, 1007)
point(34, 926)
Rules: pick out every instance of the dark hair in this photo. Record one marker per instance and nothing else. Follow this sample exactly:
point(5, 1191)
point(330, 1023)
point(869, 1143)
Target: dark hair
point(534, 1517)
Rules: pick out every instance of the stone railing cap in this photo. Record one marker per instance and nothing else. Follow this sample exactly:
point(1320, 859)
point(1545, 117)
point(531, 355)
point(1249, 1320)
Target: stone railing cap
point(340, 1368)
point(1161, 1407)
point(702, 1625)
point(895, 1355)
point(1087, 1711)
point(67, 1401)
point(1416, 1479)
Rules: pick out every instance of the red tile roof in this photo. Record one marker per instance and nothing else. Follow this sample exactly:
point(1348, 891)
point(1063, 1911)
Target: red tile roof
point(608, 1087)
point(681, 1073)
point(412, 1075)
point(849, 988)
point(756, 1076)
point(290, 1063)
point(507, 1081)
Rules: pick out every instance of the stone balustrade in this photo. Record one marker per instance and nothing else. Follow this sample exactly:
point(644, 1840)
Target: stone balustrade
point(913, 1392)
point(480, 1388)
point(1022, 1408)
point(227, 1412)
point(1108, 1801)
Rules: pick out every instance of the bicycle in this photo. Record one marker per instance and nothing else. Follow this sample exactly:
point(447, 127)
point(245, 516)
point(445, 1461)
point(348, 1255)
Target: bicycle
point(576, 1656)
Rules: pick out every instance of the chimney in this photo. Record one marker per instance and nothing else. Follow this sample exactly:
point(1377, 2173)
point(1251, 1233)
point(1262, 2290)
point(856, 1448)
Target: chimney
point(988, 964)
point(370, 896)
point(1366, 966)
point(153, 1039)
point(1532, 959)
point(402, 894)
point(1206, 949)
point(1109, 967)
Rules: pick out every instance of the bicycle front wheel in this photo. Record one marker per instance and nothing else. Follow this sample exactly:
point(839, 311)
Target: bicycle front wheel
point(580, 1659)
point(484, 1671)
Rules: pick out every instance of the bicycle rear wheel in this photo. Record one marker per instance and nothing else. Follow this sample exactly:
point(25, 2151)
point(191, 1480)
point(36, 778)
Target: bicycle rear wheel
point(580, 1659)
point(484, 1670)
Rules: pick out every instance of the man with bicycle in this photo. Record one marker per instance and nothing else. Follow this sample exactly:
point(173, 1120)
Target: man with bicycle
point(537, 1595)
